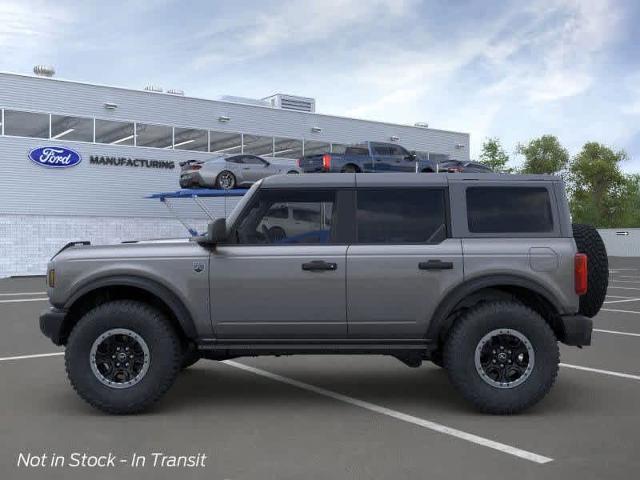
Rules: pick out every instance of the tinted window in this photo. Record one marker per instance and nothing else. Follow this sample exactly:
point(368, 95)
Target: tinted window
point(509, 210)
point(252, 160)
point(401, 216)
point(381, 150)
point(287, 148)
point(357, 151)
point(158, 136)
point(71, 128)
point(115, 133)
point(398, 150)
point(190, 139)
point(26, 124)
point(224, 142)
point(258, 145)
point(311, 147)
point(267, 221)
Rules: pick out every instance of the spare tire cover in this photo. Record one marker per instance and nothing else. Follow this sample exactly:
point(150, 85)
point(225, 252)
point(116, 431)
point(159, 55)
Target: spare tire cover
point(588, 241)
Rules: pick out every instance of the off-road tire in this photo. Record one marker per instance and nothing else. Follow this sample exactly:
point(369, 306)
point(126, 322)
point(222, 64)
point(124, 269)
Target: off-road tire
point(190, 356)
point(150, 324)
point(459, 356)
point(588, 241)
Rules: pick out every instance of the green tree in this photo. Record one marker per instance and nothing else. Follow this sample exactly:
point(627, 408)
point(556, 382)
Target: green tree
point(601, 194)
point(544, 155)
point(494, 156)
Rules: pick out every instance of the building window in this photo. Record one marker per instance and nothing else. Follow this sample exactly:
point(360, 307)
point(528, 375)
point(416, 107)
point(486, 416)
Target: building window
point(26, 124)
point(158, 136)
point(114, 133)
point(71, 128)
point(338, 148)
point(257, 145)
point(225, 142)
point(287, 148)
point(190, 139)
point(312, 147)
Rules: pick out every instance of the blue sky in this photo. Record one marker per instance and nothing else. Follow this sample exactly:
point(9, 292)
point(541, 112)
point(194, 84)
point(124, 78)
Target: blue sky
point(514, 70)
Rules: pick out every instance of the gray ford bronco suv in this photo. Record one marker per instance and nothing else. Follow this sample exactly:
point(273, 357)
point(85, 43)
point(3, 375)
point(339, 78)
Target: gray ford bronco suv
point(481, 274)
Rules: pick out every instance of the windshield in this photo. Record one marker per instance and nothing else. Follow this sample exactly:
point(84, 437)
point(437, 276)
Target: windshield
point(233, 216)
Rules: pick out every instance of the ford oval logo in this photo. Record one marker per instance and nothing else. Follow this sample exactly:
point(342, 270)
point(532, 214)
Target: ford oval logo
point(55, 157)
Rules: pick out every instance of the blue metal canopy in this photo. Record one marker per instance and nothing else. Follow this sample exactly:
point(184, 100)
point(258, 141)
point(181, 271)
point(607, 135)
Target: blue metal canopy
point(199, 192)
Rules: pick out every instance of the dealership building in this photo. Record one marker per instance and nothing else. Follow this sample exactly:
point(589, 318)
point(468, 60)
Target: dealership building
point(118, 145)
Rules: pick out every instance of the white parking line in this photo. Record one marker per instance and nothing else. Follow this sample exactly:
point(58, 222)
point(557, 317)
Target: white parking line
point(620, 311)
point(25, 300)
point(38, 355)
point(485, 442)
point(616, 332)
point(623, 288)
point(625, 281)
point(613, 277)
point(623, 301)
point(604, 372)
point(21, 293)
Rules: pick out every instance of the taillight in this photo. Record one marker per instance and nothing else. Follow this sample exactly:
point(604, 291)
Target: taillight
point(580, 273)
point(326, 162)
point(298, 162)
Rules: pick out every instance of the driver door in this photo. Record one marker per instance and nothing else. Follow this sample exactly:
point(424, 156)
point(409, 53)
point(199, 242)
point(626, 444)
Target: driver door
point(278, 279)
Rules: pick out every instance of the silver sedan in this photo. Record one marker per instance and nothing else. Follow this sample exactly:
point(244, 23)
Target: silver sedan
point(227, 172)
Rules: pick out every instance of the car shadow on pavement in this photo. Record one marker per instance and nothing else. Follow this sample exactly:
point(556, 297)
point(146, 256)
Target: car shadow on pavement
point(203, 387)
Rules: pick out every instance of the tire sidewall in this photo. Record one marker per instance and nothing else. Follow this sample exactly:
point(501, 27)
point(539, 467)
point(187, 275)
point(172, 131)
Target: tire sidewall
point(146, 322)
point(233, 177)
point(460, 358)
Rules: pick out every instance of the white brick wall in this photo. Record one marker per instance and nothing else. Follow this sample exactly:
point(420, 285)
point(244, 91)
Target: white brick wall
point(28, 241)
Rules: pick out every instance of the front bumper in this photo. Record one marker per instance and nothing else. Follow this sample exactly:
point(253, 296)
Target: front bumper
point(52, 324)
point(577, 330)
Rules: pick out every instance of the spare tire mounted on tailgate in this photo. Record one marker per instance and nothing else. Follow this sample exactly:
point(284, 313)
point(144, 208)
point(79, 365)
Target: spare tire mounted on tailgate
point(588, 241)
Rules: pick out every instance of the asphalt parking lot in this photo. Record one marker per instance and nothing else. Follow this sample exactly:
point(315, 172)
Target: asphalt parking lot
point(314, 417)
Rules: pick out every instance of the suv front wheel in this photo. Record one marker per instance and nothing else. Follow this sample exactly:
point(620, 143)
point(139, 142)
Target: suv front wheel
point(122, 356)
point(502, 356)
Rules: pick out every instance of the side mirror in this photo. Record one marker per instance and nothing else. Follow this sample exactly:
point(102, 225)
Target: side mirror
point(411, 157)
point(216, 231)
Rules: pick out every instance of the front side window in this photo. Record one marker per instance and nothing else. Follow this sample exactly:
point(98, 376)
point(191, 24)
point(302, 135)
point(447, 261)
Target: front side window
point(401, 216)
point(397, 150)
point(509, 210)
point(267, 220)
point(26, 124)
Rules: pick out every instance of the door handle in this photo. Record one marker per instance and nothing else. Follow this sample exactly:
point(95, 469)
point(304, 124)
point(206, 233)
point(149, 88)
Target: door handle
point(319, 266)
point(435, 265)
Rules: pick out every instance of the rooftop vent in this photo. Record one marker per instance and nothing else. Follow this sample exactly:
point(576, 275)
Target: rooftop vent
point(175, 91)
point(44, 70)
point(245, 100)
point(153, 88)
point(292, 102)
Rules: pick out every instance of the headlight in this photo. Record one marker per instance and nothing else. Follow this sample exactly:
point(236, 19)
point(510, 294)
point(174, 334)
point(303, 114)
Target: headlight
point(51, 278)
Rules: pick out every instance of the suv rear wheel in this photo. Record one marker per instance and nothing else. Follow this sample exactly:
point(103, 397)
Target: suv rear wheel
point(122, 356)
point(502, 356)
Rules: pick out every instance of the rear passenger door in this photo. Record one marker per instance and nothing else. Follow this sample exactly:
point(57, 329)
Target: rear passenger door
point(402, 261)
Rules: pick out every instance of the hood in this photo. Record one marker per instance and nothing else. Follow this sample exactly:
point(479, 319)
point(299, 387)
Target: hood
point(165, 248)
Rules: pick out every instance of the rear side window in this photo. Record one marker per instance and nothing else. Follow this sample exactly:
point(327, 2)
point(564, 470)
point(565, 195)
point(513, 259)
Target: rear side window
point(401, 216)
point(509, 210)
point(357, 151)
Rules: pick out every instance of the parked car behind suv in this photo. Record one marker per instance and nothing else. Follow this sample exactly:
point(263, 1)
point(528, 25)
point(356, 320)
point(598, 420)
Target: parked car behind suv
point(463, 166)
point(369, 157)
point(481, 274)
point(231, 171)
